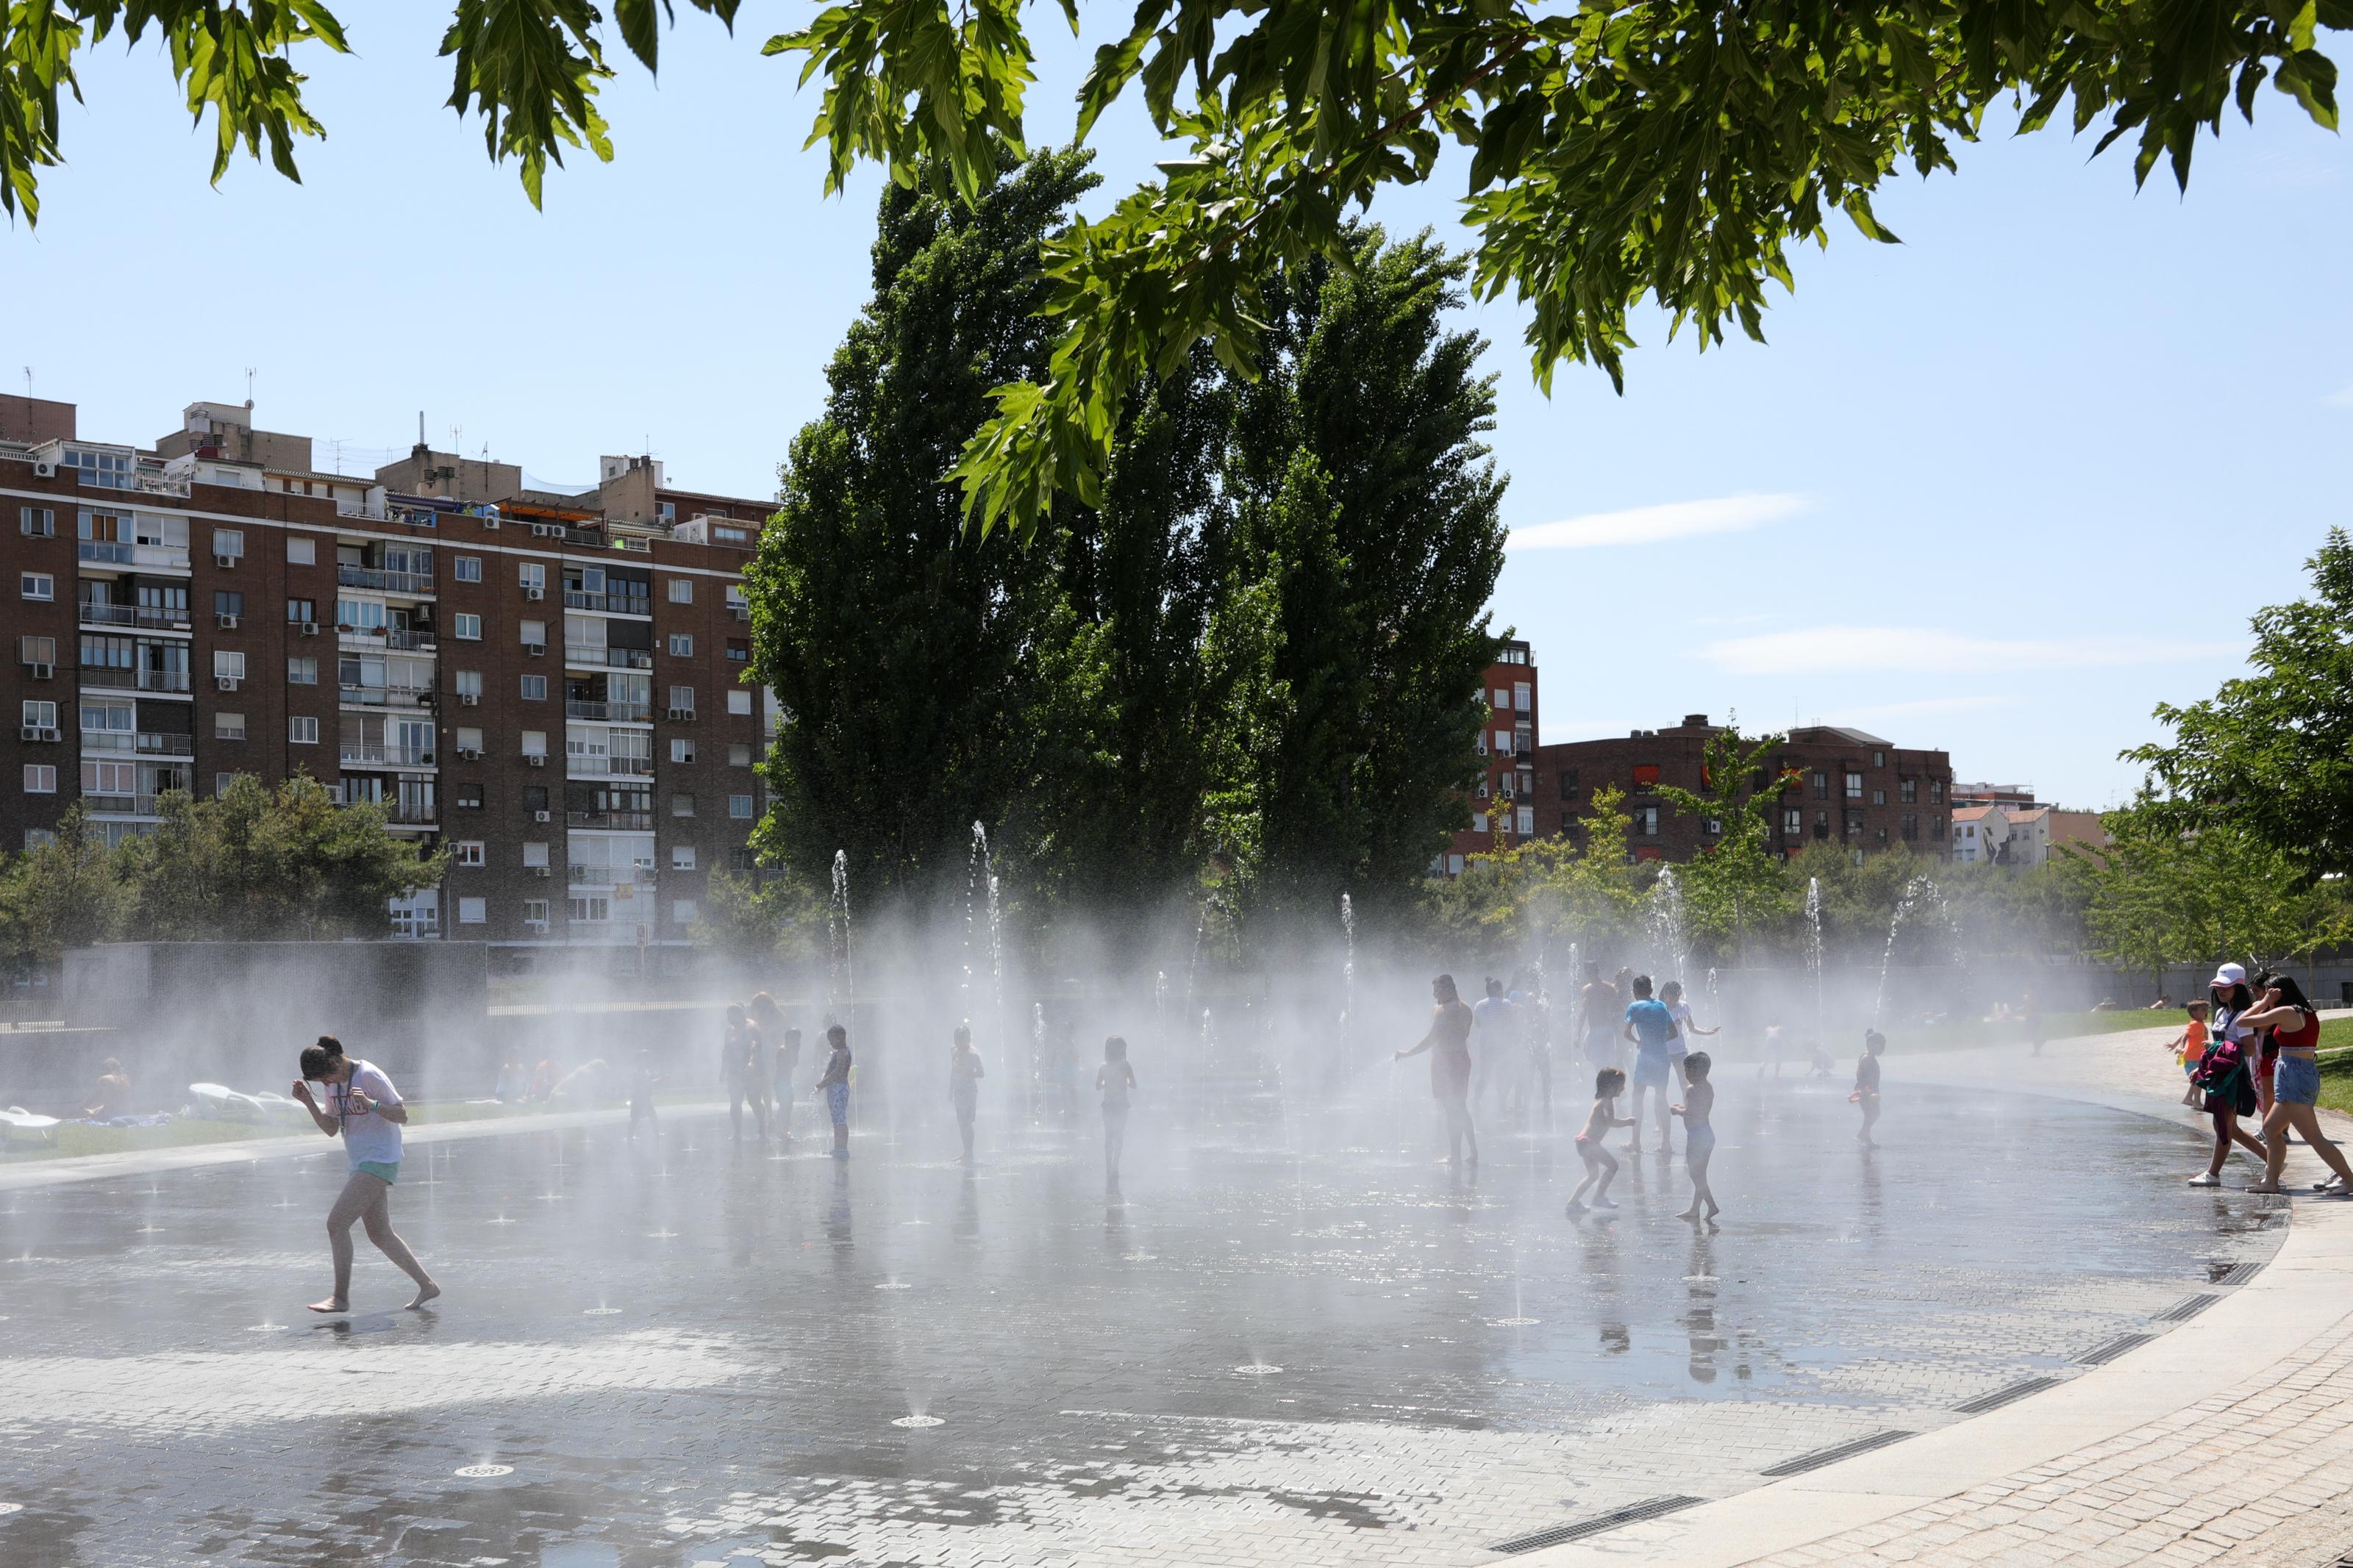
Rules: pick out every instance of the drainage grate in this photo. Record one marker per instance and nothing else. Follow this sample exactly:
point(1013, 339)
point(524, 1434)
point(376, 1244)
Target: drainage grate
point(2113, 1349)
point(2006, 1394)
point(1820, 1457)
point(2241, 1275)
point(1656, 1507)
point(2183, 1311)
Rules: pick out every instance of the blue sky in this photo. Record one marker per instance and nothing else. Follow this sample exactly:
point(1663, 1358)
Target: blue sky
point(1998, 489)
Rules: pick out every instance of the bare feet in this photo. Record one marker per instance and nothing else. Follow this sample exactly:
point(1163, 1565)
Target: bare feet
point(332, 1304)
point(1691, 1214)
point(2264, 1187)
point(425, 1292)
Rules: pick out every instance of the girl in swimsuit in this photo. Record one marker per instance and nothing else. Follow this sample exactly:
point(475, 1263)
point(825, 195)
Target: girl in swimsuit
point(1600, 1164)
point(1699, 1137)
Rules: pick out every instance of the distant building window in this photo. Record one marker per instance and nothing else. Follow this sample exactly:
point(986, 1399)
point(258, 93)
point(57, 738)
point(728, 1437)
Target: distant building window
point(1646, 775)
point(300, 731)
point(535, 688)
point(739, 702)
point(667, 511)
point(229, 543)
point(228, 602)
point(534, 634)
point(228, 666)
point(682, 645)
point(1569, 784)
point(473, 912)
point(534, 854)
point(229, 726)
point(738, 651)
point(681, 806)
point(37, 522)
point(1646, 821)
point(467, 628)
point(739, 756)
point(1523, 697)
point(1821, 784)
point(470, 852)
point(534, 913)
point(1879, 759)
point(682, 751)
point(468, 796)
point(682, 590)
point(39, 585)
point(729, 535)
point(1478, 822)
point(40, 778)
point(1454, 864)
point(39, 713)
point(532, 575)
point(739, 807)
point(681, 858)
point(682, 911)
point(302, 551)
point(1935, 791)
point(1907, 790)
point(301, 610)
point(470, 683)
point(1854, 787)
point(1500, 701)
point(1793, 822)
point(1526, 818)
point(469, 569)
point(221, 783)
point(301, 669)
point(1909, 827)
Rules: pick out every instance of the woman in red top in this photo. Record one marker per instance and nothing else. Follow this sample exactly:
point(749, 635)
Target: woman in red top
point(2296, 1032)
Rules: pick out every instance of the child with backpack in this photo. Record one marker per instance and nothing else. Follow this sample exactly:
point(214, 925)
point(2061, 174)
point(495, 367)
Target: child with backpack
point(2226, 1078)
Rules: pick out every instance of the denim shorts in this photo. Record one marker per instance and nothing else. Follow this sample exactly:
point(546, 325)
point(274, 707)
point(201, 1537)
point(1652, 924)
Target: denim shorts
point(2298, 1080)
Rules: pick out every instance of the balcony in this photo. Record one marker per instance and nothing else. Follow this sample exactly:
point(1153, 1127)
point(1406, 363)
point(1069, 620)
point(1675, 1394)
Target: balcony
point(604, 764)
point(118, 552)
point(106, 675)
point(610, 712)
point(388, 696)
point(387, 637)
point(384, 581)
point(120, 804)
point(596, 656)
point(579, 875)
point(369, 754)
point(141, 617)
point(611, 604)
point(409, 813)
point(614, 821)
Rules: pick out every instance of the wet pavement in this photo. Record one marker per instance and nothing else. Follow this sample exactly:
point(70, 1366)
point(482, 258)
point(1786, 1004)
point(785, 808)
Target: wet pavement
point(1304, 1344)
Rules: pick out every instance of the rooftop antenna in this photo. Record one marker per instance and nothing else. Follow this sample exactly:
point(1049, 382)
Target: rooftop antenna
point(420, 427)
point(248, 389)
point(28, 382)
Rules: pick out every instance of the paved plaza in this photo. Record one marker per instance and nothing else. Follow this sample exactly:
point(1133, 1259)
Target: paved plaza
point(1307, 1344)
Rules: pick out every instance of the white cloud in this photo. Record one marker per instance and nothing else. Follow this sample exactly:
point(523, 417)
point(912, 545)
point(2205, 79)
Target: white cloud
point(1924, 650)
point(1654, 524)
point(2341, 399)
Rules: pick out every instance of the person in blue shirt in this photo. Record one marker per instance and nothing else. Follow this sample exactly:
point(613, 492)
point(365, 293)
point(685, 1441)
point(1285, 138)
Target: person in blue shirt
point(1650, 1027)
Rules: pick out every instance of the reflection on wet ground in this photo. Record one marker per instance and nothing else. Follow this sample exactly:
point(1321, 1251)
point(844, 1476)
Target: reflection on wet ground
point(685, 1353)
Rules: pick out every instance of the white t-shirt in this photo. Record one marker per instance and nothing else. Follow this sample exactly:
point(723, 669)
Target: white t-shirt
point(1680, 1013)
point(368, 1139)
point(1494, 1018)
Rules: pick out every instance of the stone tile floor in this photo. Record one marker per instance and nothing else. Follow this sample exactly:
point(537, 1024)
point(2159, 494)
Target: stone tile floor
point(695, 1353)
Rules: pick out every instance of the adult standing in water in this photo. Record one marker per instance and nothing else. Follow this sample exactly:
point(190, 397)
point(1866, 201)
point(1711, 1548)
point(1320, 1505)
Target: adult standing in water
point(1498, 1024)
point(739, 1055)
point(1116, 1080)
point(2296, 1088)
point(1600, 1010)
point(835, 1087)
point(779, 1051)
point(365, 1110)
point(1448, 1045)
point(963, 1085)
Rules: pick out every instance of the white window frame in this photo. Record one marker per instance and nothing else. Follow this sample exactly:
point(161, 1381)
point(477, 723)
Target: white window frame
point(301, 731)
point(229, 726)
point(740, 703)
point(466, 628)
point(41, 587)
point(682, 590)
point(681, 857)
point(40, 778)
point(466, 569)
point(472, 852)
point(739, 808)
point(302, 550)
point(473, 912)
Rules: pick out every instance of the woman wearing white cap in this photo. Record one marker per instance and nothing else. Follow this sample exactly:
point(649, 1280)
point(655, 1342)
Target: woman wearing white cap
point(2228, 1073)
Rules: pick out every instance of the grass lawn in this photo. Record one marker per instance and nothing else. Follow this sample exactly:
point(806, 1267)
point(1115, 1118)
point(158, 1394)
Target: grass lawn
point(185, 1133)
point(2337, 1064)
point(1965, 1033)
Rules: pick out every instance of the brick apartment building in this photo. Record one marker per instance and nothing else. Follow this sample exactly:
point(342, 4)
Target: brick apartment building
point(548, 683)
point(1852, 789)
point(1502, 809)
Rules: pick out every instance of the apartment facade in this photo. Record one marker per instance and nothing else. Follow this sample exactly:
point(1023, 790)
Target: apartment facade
point(556, 694)
point(1502, 806)
point(1850, 788)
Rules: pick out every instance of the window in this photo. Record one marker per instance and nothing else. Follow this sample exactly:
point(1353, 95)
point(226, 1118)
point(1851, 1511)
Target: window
point(594, 907)
point(1879, 797)
point(1909, 827)
point(36, 651)
point(37, 585)
point(1854, 787)
point(1526, 817)
point(470, 684)
point(681, 806)
point(682, 590)
point(470, 738)
point(682, 645)
point(470, 852)
point(302, 731)
point(42, 715)
point(1821, 784)
point(1935, 791)
point(534, 854)
point(473, 912)
point(681, 910)
point(1793, 822)
point(729, 535)
point(1646, 821)
point(1500, 701)
point(466, 628)
point(229, 726)
point(302, 551)
point(739, 807)
point(1646, 775)
point(534, 742)
point(469, 569)
point(534, 913)
point(1569, 784)
point(301, 669)
point(535, 797)
point(110, 778)
point(227, 602)
point(1478, 822)
point(667, 511)
point(739, 756)
point(681, 700)
point(228, 543)
point(681, 858)
point(1907, 790)
point(738, 651)
point(535, 688)
point(37, 521)
point(1879, 759)
point(40, 778)
point(534, 634)
point(300, 610)
point(1523, 697)
point(682, 751)
point(739, 702)
point(737, 606)
point(468, 796)
point(1479, 745)
point(532, 574)
point(228, 666)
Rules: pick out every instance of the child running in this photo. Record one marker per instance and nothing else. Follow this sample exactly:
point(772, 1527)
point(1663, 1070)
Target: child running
point(1116, 1080)
point(2188, 1048)
point(963, 1085)
point(835, 1087)
point(1866, 1084)
point(362, 1106)
point(1699, 1136)
point(1600, 1165)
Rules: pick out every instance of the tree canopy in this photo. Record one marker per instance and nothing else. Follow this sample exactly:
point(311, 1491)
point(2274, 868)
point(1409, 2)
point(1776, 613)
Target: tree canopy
point(1673, 149)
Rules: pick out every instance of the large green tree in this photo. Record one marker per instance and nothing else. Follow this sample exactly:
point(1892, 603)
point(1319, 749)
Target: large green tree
point(1736, 883)
point(2271, 753)
point(1670, 149)
point(66, 892)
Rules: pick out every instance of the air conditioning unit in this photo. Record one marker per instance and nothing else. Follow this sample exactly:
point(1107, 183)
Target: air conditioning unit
point(539, 815)
point(547, 530)
point(225, 622)
point(534, 759)
point(741, 612)
point(538, 870)
point(310, 628)
point(224, 561)
point(41, 671)
point(226, 682)
point(45, 470)
point(534, 648)
point(37, 732)
point(681, 714)
point(469, 699)
point(469, 754)
point(533, 590)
